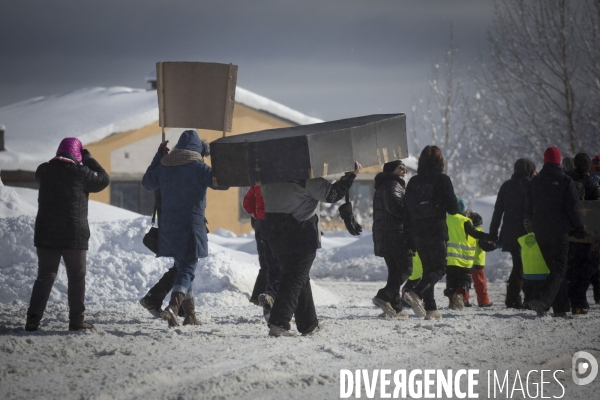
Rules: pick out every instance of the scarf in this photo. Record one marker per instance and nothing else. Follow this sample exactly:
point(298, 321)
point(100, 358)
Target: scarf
point(180, 157)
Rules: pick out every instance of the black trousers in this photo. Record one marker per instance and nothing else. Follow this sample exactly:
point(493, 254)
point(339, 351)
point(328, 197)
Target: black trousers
point(399, 264)
point(48, 262)
point(583, 264)
point(295, 294)
point(433, 257)
point(164, 285)
point(515, 280)
point(269, 277)
point(555, 251)
point(458, 280)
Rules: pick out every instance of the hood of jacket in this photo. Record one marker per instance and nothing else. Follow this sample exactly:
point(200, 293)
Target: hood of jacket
point(524, 168)
point(70, 146)
point(429, 167)
point(189, 140)
point(383, 177)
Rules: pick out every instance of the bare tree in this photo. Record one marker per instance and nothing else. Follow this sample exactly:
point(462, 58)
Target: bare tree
point(534, 83)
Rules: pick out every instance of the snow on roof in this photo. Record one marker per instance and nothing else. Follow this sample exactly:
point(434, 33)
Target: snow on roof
point(35, 127)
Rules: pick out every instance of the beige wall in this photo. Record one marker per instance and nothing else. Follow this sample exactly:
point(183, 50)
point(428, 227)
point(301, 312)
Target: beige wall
point(140, 146)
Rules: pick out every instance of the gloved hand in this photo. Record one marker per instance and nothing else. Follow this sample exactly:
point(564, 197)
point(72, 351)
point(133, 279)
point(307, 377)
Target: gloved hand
point(163, 149)
point(346, 214)
point(493, 237)
point(85, 155)
point(487, 245)
point(580, 232)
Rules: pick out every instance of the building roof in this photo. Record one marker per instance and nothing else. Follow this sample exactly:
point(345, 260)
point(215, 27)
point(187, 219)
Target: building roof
point(35, 127)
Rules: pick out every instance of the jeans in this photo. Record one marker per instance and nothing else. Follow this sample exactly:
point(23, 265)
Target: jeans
point(295, 294)
point(186, 271)
point(399, 264)
point(48, 262)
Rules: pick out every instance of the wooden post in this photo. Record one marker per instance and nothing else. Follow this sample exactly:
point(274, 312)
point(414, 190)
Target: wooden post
point(161, 98)
point(227, 99)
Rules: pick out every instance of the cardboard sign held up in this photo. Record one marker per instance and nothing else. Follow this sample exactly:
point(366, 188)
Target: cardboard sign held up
point(196, 95)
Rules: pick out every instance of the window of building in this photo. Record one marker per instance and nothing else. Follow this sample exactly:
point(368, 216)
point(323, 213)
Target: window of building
point(132, 196)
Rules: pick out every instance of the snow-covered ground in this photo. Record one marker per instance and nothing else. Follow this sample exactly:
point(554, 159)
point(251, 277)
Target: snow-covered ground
point(131, 355)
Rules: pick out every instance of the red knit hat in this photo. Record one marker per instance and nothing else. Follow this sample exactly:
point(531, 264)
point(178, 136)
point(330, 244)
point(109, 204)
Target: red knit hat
point(596, 163)
point(552, 155)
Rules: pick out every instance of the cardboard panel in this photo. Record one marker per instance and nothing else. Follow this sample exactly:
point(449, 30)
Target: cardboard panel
point(308, 151)
point(196, 95)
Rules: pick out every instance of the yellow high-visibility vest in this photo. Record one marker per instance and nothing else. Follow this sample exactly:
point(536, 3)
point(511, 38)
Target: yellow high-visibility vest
point(417, 268)
point(461, 247)
point(534, 265)
point(479, 258)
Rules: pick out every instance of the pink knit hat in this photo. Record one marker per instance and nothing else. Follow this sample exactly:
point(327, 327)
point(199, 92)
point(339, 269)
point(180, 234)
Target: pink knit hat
point(72, 146)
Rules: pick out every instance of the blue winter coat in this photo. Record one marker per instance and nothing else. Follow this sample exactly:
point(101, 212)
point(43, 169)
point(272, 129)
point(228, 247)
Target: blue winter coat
point(182, 231)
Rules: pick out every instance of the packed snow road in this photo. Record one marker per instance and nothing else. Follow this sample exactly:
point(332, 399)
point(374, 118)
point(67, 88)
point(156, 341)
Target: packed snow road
point(131, 355)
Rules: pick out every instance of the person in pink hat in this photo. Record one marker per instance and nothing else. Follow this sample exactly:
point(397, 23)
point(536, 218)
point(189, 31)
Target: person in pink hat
point(61, 228)
point(552, 213)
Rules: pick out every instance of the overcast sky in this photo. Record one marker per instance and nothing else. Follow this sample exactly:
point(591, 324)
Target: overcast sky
point(330, 59)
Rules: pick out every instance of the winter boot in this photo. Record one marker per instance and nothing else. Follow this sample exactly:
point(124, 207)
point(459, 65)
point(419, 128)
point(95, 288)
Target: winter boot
point(385, 306)
point(539, 307)
point(189, 311)
point(266, 301)
point(32, 324)
point(170, 312)
point(416, 303)
point(579, 311)
point(150, 306)
point(457, 302)
point(433, 314)
point(318, 328)
point(277, 331)
point(78, 326)
point(486, 304)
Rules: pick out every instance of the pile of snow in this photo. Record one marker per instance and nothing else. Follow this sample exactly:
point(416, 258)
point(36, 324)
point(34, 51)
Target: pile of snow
point(119, 267)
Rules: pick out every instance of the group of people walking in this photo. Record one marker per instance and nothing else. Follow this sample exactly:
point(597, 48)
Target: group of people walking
point(421, 224)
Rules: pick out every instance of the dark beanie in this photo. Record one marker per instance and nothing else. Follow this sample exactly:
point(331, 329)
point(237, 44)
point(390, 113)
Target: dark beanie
point(552, 155)
point(476, 219)
point(583, 163)
point(392, 165)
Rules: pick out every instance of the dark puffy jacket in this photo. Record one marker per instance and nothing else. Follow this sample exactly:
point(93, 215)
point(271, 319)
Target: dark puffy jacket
point(590, 186)
point(553, 203)
point(444, 201)
point(61, 221)
point(510, 210)
point(389, 214)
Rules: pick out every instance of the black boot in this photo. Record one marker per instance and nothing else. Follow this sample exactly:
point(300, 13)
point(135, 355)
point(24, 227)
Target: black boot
point(170, 312)
point(189, 309)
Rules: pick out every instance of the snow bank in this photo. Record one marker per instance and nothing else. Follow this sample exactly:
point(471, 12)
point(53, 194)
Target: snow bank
point(119, 267)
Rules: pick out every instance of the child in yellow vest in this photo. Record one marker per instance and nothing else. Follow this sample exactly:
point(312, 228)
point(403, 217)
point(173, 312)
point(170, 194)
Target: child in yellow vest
point(461, 253)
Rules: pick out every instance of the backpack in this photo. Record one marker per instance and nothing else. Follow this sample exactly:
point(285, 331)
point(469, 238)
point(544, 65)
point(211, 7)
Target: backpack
point(419, 201)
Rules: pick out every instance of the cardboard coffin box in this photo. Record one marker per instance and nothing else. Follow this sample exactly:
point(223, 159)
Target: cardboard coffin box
point(308, 151)
point(590, 211)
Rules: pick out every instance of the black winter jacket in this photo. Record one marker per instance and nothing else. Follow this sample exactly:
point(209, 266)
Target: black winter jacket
point(509, 209)
point(61, 221)
point(444, 201)
point(553, 204)
point(591, 187)
point(388, 215)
